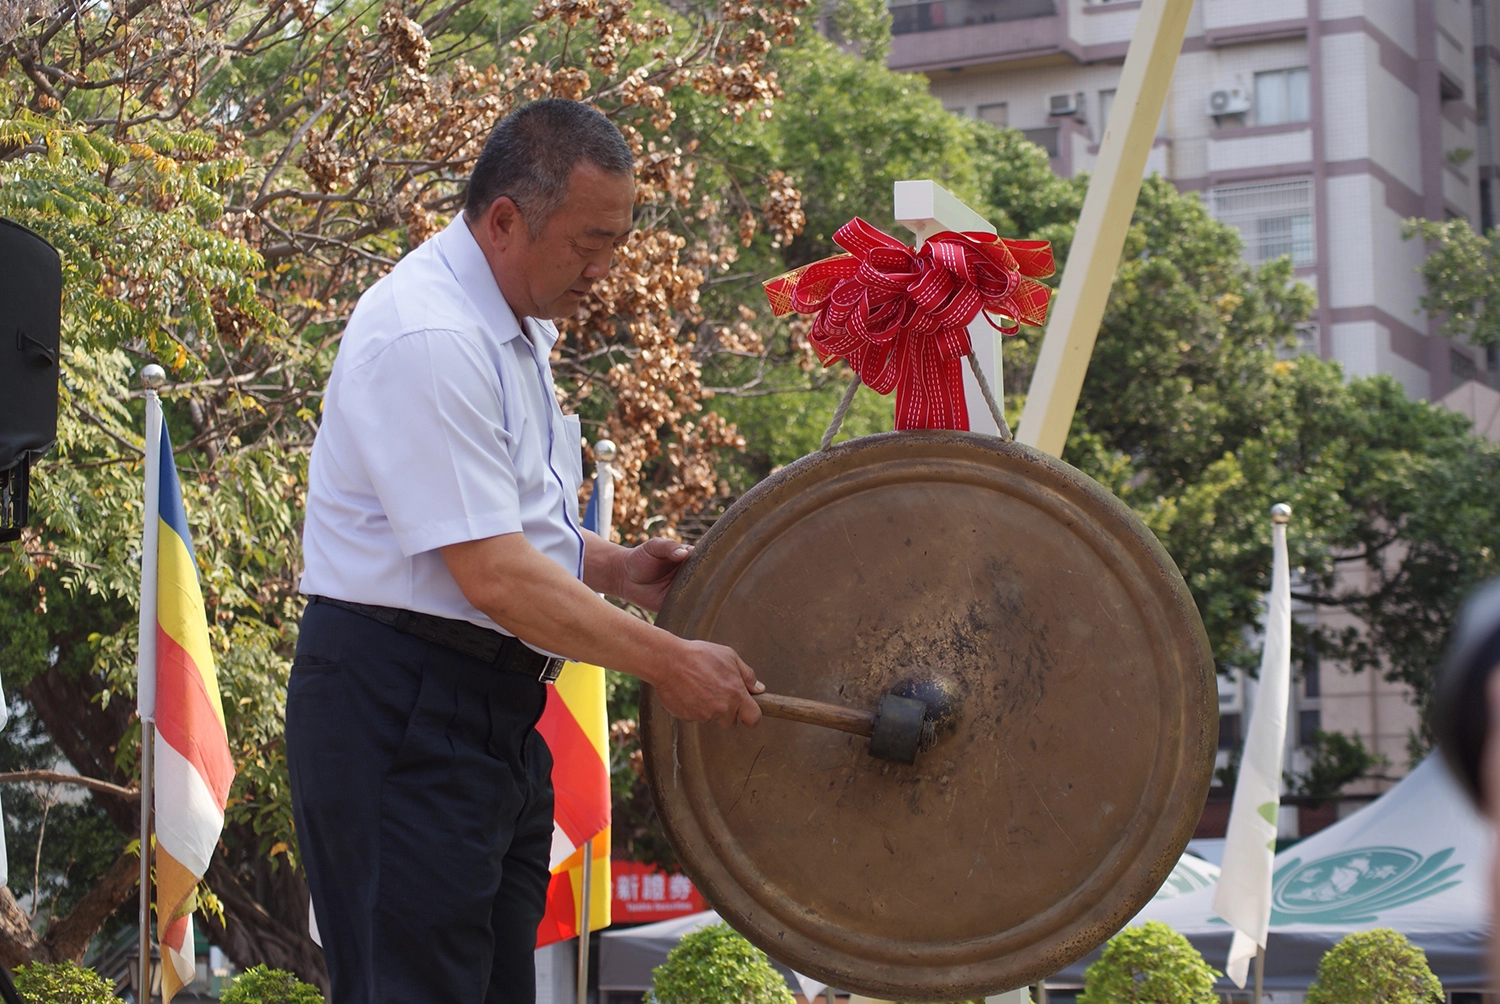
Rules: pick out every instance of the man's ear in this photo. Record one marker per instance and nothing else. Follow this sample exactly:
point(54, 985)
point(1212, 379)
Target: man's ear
point(503, 223)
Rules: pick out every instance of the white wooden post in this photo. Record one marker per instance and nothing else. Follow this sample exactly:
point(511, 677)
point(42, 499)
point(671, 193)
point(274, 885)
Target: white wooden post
point(1090, 270)
point(927, 209)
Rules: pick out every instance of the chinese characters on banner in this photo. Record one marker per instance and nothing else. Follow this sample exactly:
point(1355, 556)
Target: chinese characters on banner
point(642, 894)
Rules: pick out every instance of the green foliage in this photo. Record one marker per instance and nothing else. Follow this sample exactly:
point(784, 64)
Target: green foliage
point(1375, 967)
point(714, 965)
point(270, 986)
point(1335, 760)
point(1149, 965)
point(63, 983)
point(1462, 272)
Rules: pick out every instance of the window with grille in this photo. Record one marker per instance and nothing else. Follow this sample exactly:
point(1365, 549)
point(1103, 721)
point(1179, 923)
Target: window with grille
point(1275, 220)
point(996, 114)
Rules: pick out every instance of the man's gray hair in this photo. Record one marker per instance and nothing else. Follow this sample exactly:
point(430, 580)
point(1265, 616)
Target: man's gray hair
point(531, 154)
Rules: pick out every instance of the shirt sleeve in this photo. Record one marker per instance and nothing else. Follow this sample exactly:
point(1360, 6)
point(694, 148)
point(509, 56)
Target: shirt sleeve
point(427, 419)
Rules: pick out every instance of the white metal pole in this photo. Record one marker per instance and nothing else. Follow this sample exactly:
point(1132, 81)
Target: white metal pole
point(583, 921)
point(604, 483)
point(152, 377)
point(604, 510)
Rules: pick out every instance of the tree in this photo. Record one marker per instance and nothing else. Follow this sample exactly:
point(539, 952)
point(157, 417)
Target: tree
point(1375, 967)
point(223, 178)
point(714, 965)
point(1462, 274)
point(1152, 964)
point(1197, 409)
point(1334, 761)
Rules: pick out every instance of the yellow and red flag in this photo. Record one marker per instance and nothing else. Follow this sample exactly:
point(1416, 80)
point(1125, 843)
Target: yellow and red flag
point(575, 724)
point(193, 769)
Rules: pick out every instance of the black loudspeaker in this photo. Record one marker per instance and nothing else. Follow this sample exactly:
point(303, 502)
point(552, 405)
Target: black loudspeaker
point(30, 326)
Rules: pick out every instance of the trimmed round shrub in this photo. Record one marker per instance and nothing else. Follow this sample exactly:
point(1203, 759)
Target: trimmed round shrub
point(270, 986)
point(63, 983)
point(1149, 965)
point(714, 965)
point(1375, 967)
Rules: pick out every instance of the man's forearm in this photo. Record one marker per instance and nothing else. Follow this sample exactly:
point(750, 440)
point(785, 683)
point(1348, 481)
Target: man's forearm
point(532, 597)
point(603, 564)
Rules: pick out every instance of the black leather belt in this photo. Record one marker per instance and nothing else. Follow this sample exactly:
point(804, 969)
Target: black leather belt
point(501, 651)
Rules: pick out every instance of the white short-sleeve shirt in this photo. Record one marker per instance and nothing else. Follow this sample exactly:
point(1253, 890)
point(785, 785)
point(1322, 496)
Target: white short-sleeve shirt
point(440, 425)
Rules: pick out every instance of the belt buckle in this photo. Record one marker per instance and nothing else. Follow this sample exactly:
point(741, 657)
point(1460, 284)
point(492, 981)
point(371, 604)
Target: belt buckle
point(550, 670)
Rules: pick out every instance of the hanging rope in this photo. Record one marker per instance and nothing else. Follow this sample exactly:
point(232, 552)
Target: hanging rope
point(840, 412)
point(989, 399)
point(984, 388)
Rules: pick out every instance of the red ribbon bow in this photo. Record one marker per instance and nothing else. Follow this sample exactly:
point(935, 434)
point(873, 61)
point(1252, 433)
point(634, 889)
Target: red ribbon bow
point(900, 315)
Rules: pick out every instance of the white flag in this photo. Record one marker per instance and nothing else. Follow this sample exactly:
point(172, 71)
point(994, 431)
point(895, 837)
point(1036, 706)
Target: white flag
point(1243, 896)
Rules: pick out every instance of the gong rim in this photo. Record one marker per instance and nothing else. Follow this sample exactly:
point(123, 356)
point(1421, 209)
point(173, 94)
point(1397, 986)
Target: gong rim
point(838, 946)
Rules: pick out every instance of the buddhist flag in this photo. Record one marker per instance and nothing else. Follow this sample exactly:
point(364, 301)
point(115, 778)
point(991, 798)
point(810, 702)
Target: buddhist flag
point(1243, 896)
point(575, 724)
point(180, 691)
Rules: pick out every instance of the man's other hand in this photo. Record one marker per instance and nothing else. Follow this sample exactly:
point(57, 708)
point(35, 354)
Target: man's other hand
point(709, 683)
point(648, 571)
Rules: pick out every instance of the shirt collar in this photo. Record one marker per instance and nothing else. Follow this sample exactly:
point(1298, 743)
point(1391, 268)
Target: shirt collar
point(466, 260)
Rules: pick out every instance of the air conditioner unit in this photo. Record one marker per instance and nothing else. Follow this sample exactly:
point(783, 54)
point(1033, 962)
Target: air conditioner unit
point(1228, 101)
point(1062, 105)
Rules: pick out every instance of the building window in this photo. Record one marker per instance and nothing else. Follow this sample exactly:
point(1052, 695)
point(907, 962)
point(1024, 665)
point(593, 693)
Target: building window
point(1275, 220)
point(1045, 138)
point(1281, 97)
point(997, 115)
point(1461, 366)
point(933, 15)
point(1312, 671)
point(1106, 104)
point(1229, 731)
point(1309, 723)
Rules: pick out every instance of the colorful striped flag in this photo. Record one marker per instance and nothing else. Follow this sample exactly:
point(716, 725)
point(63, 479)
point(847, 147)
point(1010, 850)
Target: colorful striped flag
point(575, 724)
point(193, 767)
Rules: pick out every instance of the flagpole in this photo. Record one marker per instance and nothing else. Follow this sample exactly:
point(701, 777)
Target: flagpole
point(604, 484)
point(152, 377)
point(1260, 972)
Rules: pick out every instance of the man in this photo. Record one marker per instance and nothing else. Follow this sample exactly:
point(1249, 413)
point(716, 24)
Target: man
point(445, 564)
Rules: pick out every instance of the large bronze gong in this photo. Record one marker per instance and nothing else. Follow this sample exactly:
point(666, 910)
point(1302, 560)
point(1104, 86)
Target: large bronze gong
point(1074, 697)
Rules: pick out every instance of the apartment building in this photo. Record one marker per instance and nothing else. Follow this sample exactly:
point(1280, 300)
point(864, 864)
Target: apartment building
point(1315, 127)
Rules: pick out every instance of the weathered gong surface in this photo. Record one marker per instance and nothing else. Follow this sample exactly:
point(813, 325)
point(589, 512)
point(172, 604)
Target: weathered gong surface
point(1074, 760)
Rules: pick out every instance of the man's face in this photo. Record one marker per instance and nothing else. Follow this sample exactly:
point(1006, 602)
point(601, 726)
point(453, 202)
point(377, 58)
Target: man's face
point(547, 274)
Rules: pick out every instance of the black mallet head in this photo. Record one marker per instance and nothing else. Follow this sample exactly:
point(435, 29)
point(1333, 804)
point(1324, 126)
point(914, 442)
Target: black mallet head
point(901, 730)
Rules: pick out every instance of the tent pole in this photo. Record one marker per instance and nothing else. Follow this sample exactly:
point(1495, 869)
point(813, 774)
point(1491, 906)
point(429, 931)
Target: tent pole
point(1260, 973)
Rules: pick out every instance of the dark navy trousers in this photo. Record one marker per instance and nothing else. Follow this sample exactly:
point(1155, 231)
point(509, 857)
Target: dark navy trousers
point(423, 800)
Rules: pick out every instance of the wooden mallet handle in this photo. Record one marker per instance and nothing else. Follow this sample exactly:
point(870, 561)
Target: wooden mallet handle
point(830, 716)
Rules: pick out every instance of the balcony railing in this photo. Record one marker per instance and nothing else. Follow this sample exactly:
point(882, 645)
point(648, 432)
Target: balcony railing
point(933, 15)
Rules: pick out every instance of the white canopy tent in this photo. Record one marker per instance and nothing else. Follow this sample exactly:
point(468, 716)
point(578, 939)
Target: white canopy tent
point(1415, 860)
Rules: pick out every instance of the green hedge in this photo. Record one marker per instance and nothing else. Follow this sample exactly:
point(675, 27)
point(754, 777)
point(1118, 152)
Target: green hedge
point(1375, 967)
point(63, 983)
point(270, 986)
point(1149, 965)
point(714, 965)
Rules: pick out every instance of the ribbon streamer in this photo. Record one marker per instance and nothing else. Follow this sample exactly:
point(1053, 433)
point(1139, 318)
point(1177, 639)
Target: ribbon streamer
point(900, 315)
